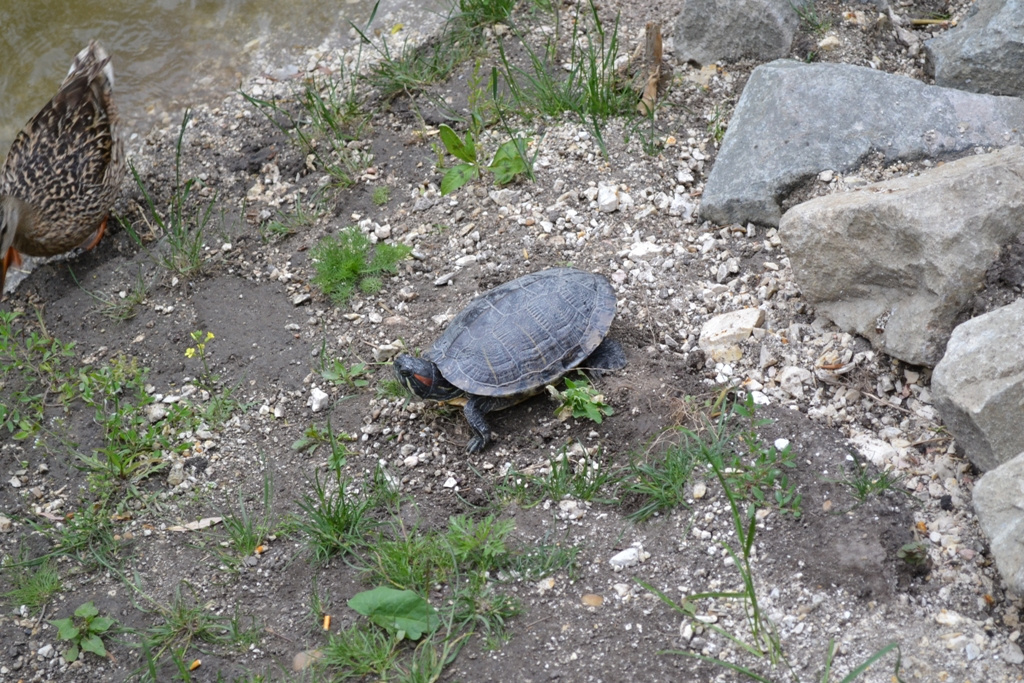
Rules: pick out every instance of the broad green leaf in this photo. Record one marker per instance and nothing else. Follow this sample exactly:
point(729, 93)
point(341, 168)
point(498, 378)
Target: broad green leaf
point(87, 610)
point(94, 645)
point(400, 612)
point(100, 624)
point(507, 163)
point(72, 653)
point(456, 147)
point(66, 629)
point(456, 177)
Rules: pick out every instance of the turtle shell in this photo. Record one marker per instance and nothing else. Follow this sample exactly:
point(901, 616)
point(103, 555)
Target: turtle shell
point(525, 333)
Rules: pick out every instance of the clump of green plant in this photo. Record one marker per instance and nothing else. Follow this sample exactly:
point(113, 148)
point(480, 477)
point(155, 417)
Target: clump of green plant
point(182, 226)
point(32, 586)
point(246, 530)
point(863, 483)
point(590, 88)
point(764, 641)
point(508, 162)
point(352, 375)
point(344, 261)
point(581, 400)
point(760, 472)
point(580, 479)
point(336, 517)
point(809, 17)
point(84, 632)
point(381, 195)
point(199, 351)
point(288, 223)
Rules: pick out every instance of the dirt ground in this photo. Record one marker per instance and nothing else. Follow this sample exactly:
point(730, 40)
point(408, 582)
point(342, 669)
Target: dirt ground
point(831, 574)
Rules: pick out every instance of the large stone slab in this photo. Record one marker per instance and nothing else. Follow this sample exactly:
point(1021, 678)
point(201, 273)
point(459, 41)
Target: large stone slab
point(709, 31)
point(898, 262)
point(795, 120)
point(985, 53)
point(999, 503)
point(978, 386)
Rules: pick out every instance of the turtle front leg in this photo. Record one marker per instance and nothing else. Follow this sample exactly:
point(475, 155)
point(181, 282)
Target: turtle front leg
point(476, 408)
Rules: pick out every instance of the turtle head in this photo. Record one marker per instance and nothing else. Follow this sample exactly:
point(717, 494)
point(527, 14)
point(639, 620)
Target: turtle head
point(422, 377)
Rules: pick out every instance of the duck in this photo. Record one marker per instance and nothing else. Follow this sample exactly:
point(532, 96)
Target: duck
point(64, 169)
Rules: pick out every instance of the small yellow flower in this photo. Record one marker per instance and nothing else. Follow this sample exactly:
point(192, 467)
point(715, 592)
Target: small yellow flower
point(190, 352)
point(209, 336)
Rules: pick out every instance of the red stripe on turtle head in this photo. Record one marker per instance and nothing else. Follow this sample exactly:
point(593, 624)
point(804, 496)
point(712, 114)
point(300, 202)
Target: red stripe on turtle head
point(425, 381)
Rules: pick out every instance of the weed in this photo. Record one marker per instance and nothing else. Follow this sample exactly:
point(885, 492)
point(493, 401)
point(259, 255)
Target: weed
point(381, 195)
point(246, 532)
point(760, 473)
point(580, 400)
point(508, 161)
point(182, 623)
point(182, 228)
point(343, 261)
point(590, 89)
point(914, 553)
point(478, 13)
point(315, 436)
point(84, 632)
point(401, 613)
point(809, 17)
point(360, 651)
point(349, 375)
point(392, 388)
point(862, 484)
point(199, 350)
point(336, 520)
point(716, 125)
point(31, 586)
point(121, 306)
point(764, 640)
point(289, 223)
point(583, 479)
point(543, 560)
point(661, 486)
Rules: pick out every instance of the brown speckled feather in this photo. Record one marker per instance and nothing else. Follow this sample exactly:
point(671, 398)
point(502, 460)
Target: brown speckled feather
point(64, 169)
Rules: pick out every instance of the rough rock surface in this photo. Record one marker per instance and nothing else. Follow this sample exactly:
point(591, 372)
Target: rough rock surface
point(985, 53)
point(795, 120)
point(979, 386)
point(898, 261)
point(997, 497)
point(709, 31)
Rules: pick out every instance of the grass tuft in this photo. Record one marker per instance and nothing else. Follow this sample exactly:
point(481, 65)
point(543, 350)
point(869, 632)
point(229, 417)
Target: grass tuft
point(349, 260)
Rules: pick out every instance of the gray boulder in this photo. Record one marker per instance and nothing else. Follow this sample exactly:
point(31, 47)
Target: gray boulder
point(978, 386)
point(795, 120)
point(997, 502)
point(985, 53)
point(899, 261)
point(709, 31)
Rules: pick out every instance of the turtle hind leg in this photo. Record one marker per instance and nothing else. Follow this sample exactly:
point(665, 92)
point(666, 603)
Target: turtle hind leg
point(607, 356)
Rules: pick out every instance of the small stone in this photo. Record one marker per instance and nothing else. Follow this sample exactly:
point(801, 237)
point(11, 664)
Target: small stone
point(46, 651)
point(627, 558)
point(301, 298)
point(544, 585)
point(411, 461)
point(700, 489)
point(6, 525)
point(318, 399)
point(304, 659)
point(1012, 654)
point(467, 260)
point(176, 475)
point(948, 618)
point(607, 199)
point(792, 380)
point(15, 483)
point(829, 43)
point(155, 412)
point(592, 600)
point(444, 279)
point(450, 482)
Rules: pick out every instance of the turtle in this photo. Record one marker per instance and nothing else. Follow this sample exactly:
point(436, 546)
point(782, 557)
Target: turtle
point(511, 341)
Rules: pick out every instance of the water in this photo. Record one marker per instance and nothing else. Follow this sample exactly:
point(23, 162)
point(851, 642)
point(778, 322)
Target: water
point(166, 54)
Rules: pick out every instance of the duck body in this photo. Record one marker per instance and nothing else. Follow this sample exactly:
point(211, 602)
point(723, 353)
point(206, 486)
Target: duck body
point(64, 169)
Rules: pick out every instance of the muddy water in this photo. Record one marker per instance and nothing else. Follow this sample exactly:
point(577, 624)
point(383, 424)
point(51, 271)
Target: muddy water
point(166, 53)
